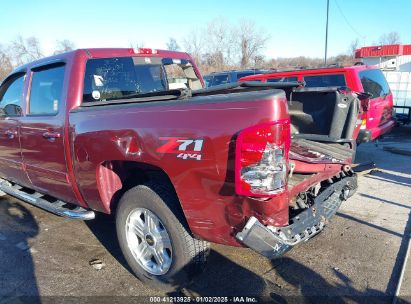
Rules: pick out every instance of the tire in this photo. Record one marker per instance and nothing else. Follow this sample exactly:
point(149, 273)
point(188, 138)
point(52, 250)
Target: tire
point(184, 255)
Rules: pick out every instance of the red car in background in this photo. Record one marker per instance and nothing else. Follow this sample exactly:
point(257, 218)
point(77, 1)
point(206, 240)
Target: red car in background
point(378, 118)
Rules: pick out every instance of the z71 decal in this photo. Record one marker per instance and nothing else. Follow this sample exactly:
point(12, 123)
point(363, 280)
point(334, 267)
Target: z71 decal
point(185, 148)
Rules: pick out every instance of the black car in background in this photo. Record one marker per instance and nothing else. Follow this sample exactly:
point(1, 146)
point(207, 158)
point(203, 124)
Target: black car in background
point(217, 78)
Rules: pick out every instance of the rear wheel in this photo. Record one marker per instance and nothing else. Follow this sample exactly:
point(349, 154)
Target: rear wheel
point(155, 239)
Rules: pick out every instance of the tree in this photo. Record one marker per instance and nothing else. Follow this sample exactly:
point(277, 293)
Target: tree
point(194, 45)
point(172, 45)
point(259, 62)
point(390, 38)
point(250, 42)
point(25, 50)
point(220, 42)
point(221, 45)
point(353, 47)
point(63, 46)
point(6, 65)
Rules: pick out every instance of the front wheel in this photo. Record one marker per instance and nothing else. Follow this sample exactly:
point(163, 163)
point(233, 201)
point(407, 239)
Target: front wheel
point(155, 239)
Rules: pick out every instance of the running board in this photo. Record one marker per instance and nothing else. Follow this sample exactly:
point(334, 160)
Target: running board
point(56, 207)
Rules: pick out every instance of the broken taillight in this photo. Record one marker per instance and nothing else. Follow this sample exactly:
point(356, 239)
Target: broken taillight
point(262, 159)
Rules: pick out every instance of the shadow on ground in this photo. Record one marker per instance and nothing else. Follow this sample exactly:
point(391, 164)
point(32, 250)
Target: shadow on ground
point(304, 283)
point(17, 226)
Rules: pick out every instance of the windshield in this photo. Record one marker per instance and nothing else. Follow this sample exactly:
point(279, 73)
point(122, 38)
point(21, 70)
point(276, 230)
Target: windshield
point(127, 77)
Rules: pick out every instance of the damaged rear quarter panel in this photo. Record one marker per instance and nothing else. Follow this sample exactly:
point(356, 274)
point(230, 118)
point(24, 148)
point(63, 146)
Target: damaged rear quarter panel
point(205, 188)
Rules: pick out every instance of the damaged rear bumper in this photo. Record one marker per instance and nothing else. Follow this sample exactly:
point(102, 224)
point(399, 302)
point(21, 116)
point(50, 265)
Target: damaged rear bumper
point(273, 242)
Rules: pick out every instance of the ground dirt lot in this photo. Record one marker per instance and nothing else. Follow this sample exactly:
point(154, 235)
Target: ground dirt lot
point(359, 256)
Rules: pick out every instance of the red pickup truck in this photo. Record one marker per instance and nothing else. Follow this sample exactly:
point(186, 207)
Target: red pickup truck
point(378, 118)
point(134, 133)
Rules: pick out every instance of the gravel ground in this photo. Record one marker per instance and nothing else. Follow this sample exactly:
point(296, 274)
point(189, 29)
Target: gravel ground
point(358, 258)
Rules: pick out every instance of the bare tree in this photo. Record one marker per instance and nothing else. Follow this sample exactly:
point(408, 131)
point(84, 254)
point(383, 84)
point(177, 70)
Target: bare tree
point(219, 41)
point(25, 50)
point(172, 45)
point(390, 38)
point(6, 65)
point(194, 44)
point(250, 41)
point(63, 46)
point(353, 47)
point(221, 46)
point(259, 62)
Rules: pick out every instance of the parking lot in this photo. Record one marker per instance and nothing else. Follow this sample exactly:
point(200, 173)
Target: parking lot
point(359, 256)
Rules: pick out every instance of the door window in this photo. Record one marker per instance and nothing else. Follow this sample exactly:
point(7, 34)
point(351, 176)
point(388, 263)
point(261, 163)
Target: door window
point(220, 79)
point(282, 79)
point(336, 80)
point(46, 91)
point(10, 94)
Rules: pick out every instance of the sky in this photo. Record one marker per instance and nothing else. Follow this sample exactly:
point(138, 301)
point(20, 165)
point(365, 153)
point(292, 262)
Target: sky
point(296, 28)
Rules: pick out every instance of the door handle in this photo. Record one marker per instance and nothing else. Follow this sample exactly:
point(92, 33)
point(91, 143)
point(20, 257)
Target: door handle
point(51, 136)
point(11, 134)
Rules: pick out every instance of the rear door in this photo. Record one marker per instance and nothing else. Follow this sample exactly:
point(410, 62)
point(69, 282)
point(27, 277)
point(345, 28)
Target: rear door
point(42, 133)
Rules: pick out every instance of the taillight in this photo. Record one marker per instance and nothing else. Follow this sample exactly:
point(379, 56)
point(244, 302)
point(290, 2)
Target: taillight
point(146, 51)
point(262, 159)
point(363, 124)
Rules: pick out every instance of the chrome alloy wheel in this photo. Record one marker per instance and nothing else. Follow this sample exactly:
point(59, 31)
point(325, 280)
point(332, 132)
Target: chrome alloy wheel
point(148, 241)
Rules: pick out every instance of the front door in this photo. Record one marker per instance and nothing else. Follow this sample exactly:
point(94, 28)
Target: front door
point(42, 134)
point(11, 98)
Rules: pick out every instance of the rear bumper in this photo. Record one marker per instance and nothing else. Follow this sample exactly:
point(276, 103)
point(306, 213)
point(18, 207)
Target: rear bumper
point(273, 242)
point(382, 129)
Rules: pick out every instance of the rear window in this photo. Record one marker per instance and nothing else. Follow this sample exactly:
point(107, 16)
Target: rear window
point(374, 82)
point(336, 80)
point(111, 78)
point(127, 77)
point(282, 79)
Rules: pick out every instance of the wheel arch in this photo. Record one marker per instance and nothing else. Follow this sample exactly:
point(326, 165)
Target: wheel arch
point(115, 177)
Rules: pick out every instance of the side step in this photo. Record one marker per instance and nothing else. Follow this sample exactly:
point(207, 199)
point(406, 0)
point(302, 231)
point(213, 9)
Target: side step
point(36, 199)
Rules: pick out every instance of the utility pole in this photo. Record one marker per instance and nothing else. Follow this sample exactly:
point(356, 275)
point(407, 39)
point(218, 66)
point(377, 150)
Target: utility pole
point(326, 34)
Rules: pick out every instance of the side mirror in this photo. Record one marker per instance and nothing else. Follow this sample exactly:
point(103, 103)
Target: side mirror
point(11, 110)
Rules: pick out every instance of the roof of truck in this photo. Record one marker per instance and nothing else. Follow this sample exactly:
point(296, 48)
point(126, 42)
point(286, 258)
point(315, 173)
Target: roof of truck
point(322, 70)
point(105, 52)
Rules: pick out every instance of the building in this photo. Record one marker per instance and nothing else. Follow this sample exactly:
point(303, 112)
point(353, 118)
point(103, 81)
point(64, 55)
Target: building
point(395, 62)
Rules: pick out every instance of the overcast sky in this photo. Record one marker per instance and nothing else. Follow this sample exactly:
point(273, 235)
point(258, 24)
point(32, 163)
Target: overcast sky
point(296, 28)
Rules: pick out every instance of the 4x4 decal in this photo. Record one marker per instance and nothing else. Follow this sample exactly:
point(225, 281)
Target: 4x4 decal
point(185, 148)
